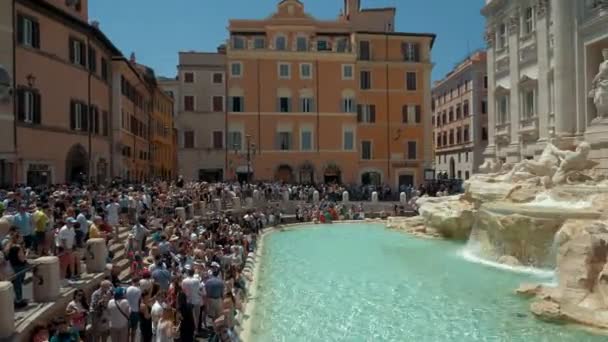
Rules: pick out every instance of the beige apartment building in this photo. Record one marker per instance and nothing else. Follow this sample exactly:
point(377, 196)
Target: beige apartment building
point(460, 118)
point(7, 122)
point(199, 94)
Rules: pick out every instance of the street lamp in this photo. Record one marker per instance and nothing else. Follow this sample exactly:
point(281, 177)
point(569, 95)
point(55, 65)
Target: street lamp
point(251, 151)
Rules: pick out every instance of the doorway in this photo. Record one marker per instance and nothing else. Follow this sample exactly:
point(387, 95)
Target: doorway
point(452, 168)
point(406, 180)
point(76, 168)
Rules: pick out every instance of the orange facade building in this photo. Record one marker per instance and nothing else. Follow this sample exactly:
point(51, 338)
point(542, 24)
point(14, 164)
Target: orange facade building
point(318, 101)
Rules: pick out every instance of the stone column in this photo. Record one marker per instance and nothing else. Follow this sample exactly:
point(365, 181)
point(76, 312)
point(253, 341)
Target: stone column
point(7, 319)
point(514, 103)
point(374, 197)
point(564, 69)
point(345, 198)
point(97, 255)
point(490, 151)
point(46, 279)
point(542, 52)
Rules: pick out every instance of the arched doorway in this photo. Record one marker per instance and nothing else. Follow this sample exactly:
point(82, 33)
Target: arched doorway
point(307, 173)
point(371, 178)
point(332, 174)
point(452, 168)
point(76, 165)
point(284, 173)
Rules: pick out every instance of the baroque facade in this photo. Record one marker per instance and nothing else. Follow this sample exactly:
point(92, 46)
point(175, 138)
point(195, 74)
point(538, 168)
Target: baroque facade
point(542, 57)
point(346, 100)
point(460, 118)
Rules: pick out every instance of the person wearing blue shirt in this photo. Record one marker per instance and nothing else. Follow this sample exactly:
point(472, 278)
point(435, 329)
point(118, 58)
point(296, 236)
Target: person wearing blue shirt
point(23, 221)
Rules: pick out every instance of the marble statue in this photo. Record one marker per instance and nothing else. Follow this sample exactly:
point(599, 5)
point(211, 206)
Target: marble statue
point(599, 88)
point(546, 165)
point(490, 166)
point(573, 162)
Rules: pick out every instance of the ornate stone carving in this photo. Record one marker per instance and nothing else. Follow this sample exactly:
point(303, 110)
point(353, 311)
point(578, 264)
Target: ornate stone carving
point(542, 7)
point(514, 23)
point(599, 88)
point(490, 36)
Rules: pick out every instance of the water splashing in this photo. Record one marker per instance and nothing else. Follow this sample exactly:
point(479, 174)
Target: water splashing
point(545, 200)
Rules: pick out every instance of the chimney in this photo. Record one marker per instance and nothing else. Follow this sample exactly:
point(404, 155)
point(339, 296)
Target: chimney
point(221, 49)
point(95, 24)
point(132, 57)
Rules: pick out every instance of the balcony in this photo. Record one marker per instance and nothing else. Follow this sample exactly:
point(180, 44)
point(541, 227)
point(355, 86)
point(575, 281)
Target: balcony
point(528, 54)
point(502, 67)
point(503, 132)
point(528, 127)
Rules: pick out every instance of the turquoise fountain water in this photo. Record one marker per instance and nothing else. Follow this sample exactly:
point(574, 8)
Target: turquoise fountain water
point(362, 282)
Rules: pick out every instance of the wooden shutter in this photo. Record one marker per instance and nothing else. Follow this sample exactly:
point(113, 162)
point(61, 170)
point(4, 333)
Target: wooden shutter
point(85, 117)
point(92, 59)
point(21, 105)
point(279, 105)
point(404, 114)
point(105, 121)
point(35, 34)
point(37, 108)
point(20, 24)
point(95, 120)
point(404, 51)
point(342, 105)
point(72, 115)
point(359, 113)
point(83, 54)
point(416, 48)
point(418, 113)
point(372, 113)
point(71, 48)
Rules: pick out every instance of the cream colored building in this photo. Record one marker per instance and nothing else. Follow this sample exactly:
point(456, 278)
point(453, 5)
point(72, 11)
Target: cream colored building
point(200, 100)
point(7, 122)
point(542, 57)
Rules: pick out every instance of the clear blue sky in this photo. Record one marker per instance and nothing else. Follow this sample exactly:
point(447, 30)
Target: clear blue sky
point(157, 29)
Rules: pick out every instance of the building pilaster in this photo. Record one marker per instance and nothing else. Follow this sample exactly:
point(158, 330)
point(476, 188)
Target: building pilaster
point(490, 151)
point(542, 48)
point(514, 103)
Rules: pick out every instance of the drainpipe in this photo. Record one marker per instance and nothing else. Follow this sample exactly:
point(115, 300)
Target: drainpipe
point(318, 105)
point(15, 168)
point(90, 121)
point(388, 117)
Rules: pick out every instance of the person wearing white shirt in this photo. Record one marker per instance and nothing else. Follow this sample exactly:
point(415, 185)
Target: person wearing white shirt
point(112, 210)
point(194, 293)
point(119, 311)
point(133, 297)
point(156, 313)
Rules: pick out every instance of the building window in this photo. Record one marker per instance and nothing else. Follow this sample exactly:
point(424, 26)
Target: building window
point(458, 137)
point(529, 20)
point(104, 69)
point(28, 106)
point(410, 52)
point(235, 141)
point(484, 107)
point(218, 140)
point(305, 71)
point(323, 45)
point(366, 113)
point(342, 45)
point(349, 140)
point(28, 32)
point(189, 103)
point(465, 136)
point(284, 105)
point(465, 108)
point(451, 114)
point(485, 82)
point(237, 104)
point(306, 141)
point(411, 114)
point(92, 60)
point(301, 44)
point(503, 109)
point(218, 104)
point(284, 141)
point(364, 50)
point(105, 123)
point(259, 43)
point(438, 139)
point(188, 139)
point(306, 105)
point(347, 72)
point(94, 116)
point(366, 150)
point(451, 141)
point(284, 70)
point(78, 116)
point(412, 150)
point(502, 36)
point(77, 52)
point(218, 78)
point(366, 79)
point(410, 80)
point(348, 105)
point(189, 77)
point(484, 133)
point(281, 43)
point(458, 112)
point(467, 175)
point(529, 110)
point(236, 69)
point(238, 43)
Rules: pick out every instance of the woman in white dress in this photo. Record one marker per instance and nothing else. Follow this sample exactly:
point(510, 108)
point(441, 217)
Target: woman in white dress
point(167, 331)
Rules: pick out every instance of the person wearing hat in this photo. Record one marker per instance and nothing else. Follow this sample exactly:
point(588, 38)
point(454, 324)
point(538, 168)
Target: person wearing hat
point(119, 312)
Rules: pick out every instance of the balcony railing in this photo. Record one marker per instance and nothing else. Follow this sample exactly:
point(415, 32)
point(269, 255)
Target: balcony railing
point(528, 53)
point(503, 132)
point(528, 127)
point(502, 66)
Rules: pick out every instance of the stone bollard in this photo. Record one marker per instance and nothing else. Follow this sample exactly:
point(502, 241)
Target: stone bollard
point(315, 197)
point(181, 213)
point(7, 319)
point(46, 279)
point(190, 211)
point(249, 202)
point(97, 255)
point(345, 198)
point(236, 203)
point(286, 196)
point(217, 204)
point(403, 198)
point(375, 197)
